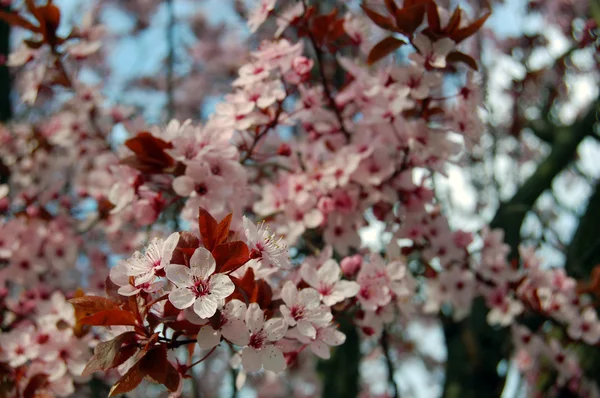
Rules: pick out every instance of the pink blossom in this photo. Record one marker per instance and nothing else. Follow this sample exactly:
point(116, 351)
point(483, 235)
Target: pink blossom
point(260, 351)
point(198, 285)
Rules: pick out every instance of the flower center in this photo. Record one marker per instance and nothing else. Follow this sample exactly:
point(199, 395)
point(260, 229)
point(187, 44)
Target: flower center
point(200, 288)
point(297, 312)
point(257, 341)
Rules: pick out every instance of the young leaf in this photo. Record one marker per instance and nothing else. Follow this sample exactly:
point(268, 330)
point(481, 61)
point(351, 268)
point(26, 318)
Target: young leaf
point(383, 48)
point(223, 229)
point(157, 367)
point(379, 20)
point(109, 354)
point(35, 383)
point(408, 19)
point(457, 56)
point(89, 305)
point(150, 155)
point(230, 256)
point(110, 318)
point(129, 381)
point(208, 229)
point(463, 33)
point(433, 17)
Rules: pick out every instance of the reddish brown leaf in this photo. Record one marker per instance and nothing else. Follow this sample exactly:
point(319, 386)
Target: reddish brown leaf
point(89, 305)
point(244, 286)
point(433, 17)
point(463, 33)
point(188, 243)
point(454, 22)
point(36, 382)
point(150, 155)
point(383, 22)
point(129, 381)
point(408, 19)
point(109, 354)
point(208, 229)
point(110, 318)
point(383, 48)
point(157, 367)
point(391, 6)
point(223, 229)
point(457, 56)
point(262, 294)
point(16, 20)
point(230, 256)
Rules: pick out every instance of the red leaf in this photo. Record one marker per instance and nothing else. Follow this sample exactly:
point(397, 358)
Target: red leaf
point(109, 354)
point(230, 256)
point(391, 6)
point(454, 22)
point(209, 229)
point(463, 33)
point(35, 383)
point(91, 304)
point(457, 56)
point(379, 20)
point(16, 20)
point(433, 17)
point(223, 229)
point(157, 367)
point(150, 155)
point(408, 19)
point(129, 381)
point(383, 48)
point(244, 286)
point(188, 243)
point(110, 318)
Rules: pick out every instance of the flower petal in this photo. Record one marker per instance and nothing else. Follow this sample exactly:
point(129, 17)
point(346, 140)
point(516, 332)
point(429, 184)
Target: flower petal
point(208, 337)
point(320, 349)
point(254, 318)
point(236, 332)
point(329, 272)
point(205, 306)
point(181, 298)
point(272, 359)
point(221, 286)
point(179, 275)
point(251, 360)
point(202, 263)
point(275, 329)
point(289, 293)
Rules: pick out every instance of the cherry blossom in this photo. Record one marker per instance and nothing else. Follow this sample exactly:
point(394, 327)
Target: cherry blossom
point(261, 352)
point(302, 309)
point(326, 280)
point(271, 251)
point(198, 285)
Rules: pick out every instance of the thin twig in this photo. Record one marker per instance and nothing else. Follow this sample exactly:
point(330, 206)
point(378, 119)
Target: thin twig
point(385, 345)
point(325, 83)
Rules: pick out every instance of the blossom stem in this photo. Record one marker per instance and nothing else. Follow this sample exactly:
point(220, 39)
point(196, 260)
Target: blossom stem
point(385, 346)
point(203, 358)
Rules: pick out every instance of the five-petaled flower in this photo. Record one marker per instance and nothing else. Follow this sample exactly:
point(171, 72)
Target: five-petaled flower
point(198, 285)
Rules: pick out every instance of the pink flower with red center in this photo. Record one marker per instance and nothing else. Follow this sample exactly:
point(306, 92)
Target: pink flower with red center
point(265, 246)
point(150, 264)
point(585, 326)
point(198, 285)
point(231, 327)
point(260, 351)
point(302, 309)
point(326, 280)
